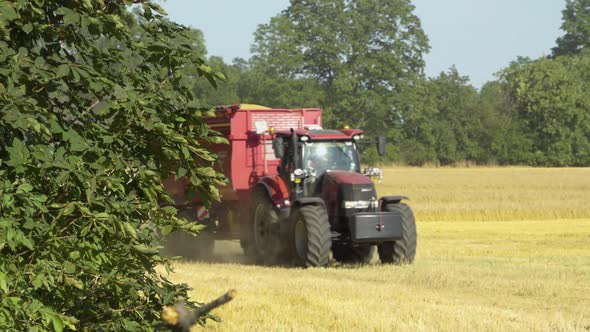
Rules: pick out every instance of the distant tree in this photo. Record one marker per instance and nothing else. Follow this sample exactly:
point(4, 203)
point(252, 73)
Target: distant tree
point(456, 124)
point(226, 92)
point(504, 138)
point(365, 55)
point(248, 83)
point(256, 86)
point(552, 100)
point(418, 142)
point(576, 25)
point(96, 108)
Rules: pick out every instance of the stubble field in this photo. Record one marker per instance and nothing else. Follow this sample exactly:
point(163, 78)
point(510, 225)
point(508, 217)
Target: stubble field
point(499, 249)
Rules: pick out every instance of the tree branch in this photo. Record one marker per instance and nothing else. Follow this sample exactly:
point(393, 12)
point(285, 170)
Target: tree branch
point(179, 319)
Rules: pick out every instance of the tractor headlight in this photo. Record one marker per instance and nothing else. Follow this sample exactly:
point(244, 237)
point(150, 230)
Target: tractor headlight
point(359, 204)
point(304, 138)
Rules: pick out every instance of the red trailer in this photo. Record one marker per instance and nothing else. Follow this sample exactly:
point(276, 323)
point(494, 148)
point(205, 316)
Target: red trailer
point(296, 191)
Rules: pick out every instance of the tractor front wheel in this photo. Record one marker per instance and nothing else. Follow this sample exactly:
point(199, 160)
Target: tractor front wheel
point(403, 250)
point(311, 237)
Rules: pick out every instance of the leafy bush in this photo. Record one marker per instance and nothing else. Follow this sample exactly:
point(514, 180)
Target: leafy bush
point(96, 109)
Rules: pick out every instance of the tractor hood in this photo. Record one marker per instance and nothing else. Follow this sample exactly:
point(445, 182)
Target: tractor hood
point(345, 177)
point(347, 186)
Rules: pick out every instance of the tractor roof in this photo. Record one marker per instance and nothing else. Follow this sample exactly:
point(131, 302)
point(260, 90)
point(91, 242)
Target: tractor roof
point(323, 134)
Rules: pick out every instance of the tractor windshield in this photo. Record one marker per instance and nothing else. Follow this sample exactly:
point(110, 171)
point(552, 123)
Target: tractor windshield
point(323, 156)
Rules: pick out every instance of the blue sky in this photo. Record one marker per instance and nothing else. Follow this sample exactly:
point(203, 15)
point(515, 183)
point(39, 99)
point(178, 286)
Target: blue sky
point(479, 37)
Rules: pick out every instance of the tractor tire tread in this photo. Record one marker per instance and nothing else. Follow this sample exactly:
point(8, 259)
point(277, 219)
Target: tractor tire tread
point(319, 236)
point(403, 250)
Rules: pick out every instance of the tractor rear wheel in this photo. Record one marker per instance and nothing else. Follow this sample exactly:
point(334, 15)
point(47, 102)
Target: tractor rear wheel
point(347, 253)
point(265, 223)
point(311, 237)
point(403, 250)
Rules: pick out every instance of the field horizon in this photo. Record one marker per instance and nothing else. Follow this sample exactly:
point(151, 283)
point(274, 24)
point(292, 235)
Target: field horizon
point(499, 249)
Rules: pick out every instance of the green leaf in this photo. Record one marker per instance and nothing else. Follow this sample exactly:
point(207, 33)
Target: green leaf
point(55, 127)
point(167, 229)
point(72, 18)
point(69, 267)
point(103, 216)
point(8, 12)
point(24, 188)
point(68, 209)
point(57, 323)
point(157, 8)
point(142, 248)
point(185, 151)
point(182, 172)
point(218, 140)
point(77, 143)
point(27, 28)
point(39, 61)
point(74, 282)
point(63, 70)
point(129, 229)
point(19, 153)
point(87, 4)
point(38, 281)
point(3, 284)
point(29, 224)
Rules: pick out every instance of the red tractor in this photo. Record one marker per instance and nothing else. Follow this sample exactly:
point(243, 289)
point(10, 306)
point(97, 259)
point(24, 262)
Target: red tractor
point(297, 193)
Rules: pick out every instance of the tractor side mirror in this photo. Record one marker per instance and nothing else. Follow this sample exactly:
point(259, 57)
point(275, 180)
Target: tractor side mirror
point(381, 143)
point(278, 147)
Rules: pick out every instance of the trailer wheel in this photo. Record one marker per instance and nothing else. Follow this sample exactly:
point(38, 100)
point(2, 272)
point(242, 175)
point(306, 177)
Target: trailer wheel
point(403, 250)
point(347, 253)
point(311, 237)
point(265, 223)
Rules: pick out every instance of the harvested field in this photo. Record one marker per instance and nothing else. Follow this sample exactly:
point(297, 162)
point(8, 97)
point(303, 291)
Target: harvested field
point(499, 249)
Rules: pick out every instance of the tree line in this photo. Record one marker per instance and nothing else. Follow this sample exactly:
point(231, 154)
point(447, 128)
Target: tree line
point(362, 61)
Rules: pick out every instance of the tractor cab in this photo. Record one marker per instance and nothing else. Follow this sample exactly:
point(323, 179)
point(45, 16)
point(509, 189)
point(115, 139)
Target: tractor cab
point(308, 154)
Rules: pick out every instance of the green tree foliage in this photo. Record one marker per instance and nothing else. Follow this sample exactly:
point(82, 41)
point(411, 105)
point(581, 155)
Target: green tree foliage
point(456, 103)
point(96, 108)
point(366, 55)
point(551, 98)
point(504, 136)
point(418, 141)
point(456, 123)
point(225, 93)
point(248, 83)
point(256, 86)
point(576, 25)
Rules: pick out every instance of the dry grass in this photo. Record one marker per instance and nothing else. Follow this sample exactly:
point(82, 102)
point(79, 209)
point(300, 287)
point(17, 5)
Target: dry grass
point(480, 193)
point(478, 267)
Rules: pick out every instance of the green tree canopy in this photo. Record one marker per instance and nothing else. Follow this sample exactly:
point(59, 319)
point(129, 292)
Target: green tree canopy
point(504, 137)
point(96, 108)
point(551, 98)
point(576, 25)
point(366, 55)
